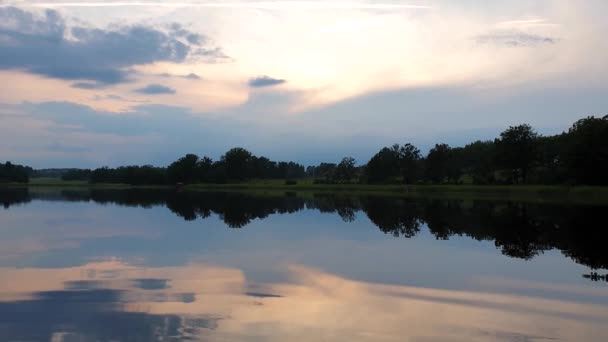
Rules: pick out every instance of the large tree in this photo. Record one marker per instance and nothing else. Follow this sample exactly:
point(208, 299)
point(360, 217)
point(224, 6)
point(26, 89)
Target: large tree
point(13, 173)
point(586, 152)
point(346, 169)
point(392, 162)
point(516, 150)
point(437, 165)
point(409, 156)
point(478, 160)
point(184, 170)
point(384, 165)
point(237, 162)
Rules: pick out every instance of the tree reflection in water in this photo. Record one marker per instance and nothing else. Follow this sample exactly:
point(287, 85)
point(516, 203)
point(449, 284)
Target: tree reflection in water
point(519, 230)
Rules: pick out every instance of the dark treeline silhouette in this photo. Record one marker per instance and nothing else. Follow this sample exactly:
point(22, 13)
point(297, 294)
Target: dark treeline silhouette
point(12, 173)
point(519, 155)
point(520, 230)
point(237, 164)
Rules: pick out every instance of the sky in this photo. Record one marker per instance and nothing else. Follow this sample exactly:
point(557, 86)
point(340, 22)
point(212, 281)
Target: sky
point(95, 83)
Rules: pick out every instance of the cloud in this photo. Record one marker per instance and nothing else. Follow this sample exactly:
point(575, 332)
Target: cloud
point(155, 89)
point(265, 81)
point(115, 97)
point(271, 5)
point(190, 76)
point(515, 39)
point(358, 126)
point(86, 85)
point(45, 45)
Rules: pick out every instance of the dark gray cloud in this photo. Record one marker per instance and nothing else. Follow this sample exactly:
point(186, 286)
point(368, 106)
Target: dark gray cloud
point(193, 76)
point(151, 283)
point(45, 45)
point(115, 97)
point(87, 85)
point(262, 295)
point(265, 81)
point(515, 39)
point(190, 76)
point(192, 38)
point(155, 89)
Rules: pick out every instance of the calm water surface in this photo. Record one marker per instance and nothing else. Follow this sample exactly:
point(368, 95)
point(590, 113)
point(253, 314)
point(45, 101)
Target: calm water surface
point(109, 265)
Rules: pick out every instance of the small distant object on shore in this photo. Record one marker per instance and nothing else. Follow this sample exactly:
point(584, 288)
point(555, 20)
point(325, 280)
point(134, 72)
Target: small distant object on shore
point(594, 276)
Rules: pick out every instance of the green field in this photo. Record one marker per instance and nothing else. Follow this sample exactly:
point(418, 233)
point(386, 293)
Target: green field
point(535, 193)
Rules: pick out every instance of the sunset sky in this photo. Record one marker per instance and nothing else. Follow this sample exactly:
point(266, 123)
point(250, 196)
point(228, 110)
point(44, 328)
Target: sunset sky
point(93, 83)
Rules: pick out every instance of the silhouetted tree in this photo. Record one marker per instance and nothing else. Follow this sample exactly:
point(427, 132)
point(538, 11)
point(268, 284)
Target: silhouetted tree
point(586, 151)
point(438, 162)
point(516, 150)
point(477, 160)
point(324, 172)
point(76, 174)
point(409, 156)
point(237, 162)
point(184, 170)
point(550, 167)
point(345, 171)
point(13, 173)
point(384, 165)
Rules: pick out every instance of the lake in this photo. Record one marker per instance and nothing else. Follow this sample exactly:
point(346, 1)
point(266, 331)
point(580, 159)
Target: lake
point(152, 265)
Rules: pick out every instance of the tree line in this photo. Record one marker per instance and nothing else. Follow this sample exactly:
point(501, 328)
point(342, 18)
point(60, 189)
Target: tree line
point(236, 165)
point(13, 173)
point(519, 155)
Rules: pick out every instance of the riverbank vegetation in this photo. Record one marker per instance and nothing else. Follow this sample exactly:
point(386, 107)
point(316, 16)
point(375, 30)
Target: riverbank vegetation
point(519, 156)
point(12, 173)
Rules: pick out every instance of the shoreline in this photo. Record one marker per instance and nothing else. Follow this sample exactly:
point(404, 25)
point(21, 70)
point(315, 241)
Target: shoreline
point(536, 193)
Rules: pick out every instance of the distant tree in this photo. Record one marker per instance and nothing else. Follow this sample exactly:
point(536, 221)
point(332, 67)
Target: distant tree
point(310, 171)
point(326, 171)
point(204, 168)
point(550, 168)
point(184, 170)
point(263, 167)
point(409, 156)
point(516, 150)
point(384, 165)
point(437, 165)
point(76, 174)
point(586, 151)
point(237, 162)
point(455, 165)
point(13, 173)
point(345, 171)
point(478, 160)
point(295, 170)
point(392, 162)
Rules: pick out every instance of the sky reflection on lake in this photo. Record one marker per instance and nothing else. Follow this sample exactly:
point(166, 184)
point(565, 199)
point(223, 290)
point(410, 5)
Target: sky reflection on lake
point(114, 267)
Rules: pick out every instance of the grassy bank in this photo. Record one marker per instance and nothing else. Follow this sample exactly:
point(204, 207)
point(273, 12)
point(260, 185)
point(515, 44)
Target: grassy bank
point(58, 183)
point(535, 193)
